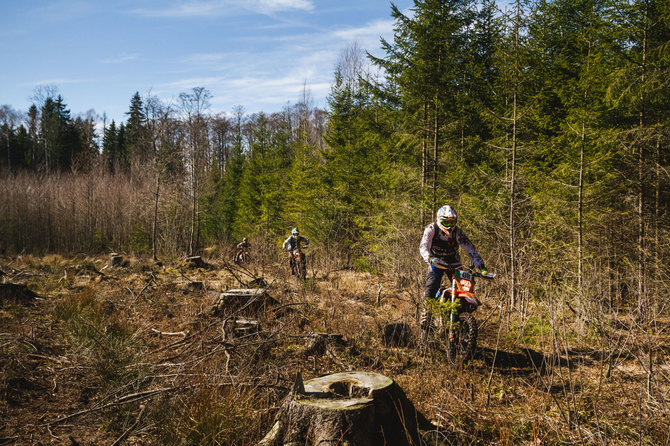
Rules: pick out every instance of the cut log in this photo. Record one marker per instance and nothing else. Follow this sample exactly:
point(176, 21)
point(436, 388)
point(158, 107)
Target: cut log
point(249, 300)
point(17, 293)
point(355, 408)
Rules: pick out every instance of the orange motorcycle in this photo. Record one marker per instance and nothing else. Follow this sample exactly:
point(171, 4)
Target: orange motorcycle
point(450, 319)
point(299, 263)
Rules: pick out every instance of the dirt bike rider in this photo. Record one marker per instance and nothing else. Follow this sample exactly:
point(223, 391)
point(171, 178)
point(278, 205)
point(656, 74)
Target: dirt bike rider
point(242, 247)
point(293, 243)
point(440, 241)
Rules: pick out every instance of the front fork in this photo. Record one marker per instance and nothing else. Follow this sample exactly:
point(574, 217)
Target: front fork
point(452, 314)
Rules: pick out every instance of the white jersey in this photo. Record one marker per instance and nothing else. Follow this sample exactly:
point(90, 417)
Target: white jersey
point(437, 243)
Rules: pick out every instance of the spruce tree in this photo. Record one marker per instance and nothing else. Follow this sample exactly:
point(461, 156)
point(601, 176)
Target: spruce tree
point(109, 147)
point(639, 93)
point(138, 145)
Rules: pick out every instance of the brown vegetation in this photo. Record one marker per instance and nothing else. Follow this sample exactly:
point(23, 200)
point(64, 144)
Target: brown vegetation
point(91, 212)
point(135, 355)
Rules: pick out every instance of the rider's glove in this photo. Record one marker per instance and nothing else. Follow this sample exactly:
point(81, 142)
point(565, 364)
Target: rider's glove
point(484, 270)
point(434, 261)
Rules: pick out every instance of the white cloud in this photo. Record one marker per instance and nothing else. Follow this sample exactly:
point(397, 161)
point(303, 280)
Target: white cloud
point(185, 10)
point(205, 57)
point(281, 5)
point(217, 8)
point(124, 57)
point(367, 36)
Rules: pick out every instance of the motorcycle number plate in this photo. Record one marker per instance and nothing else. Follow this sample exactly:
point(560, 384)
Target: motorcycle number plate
point(464, 275)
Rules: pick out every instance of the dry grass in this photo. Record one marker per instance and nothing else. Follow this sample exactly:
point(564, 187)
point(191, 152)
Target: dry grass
point(137, 353)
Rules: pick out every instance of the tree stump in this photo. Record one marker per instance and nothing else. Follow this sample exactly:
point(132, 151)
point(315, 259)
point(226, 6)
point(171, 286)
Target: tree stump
point(195, 262)
point(317, 343)
point(17, 293)
point(350, 408)
point(192, 286)
point(115, 259)
point(239, 327)
point(249, 300)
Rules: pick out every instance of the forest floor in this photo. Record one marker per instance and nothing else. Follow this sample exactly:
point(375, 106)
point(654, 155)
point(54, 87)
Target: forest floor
point(145, 354)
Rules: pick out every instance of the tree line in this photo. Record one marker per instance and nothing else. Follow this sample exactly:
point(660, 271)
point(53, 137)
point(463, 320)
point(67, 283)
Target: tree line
point(545, 124)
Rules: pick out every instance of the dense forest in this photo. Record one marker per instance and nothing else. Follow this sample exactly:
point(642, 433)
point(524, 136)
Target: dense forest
point(545, 125)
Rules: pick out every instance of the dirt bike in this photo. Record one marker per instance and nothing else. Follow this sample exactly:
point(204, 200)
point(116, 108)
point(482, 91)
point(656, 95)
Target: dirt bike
point(299, 263)
point(450, 321)
point(242, 257)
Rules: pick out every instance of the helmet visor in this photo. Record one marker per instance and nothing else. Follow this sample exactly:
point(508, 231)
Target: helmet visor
point(447, 222)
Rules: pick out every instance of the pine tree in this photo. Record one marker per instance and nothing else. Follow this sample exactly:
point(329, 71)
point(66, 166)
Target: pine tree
point(110, 149)
point(639, 92)
point(33, 155)
point(515, 88)
point(136, 138)
point(55, 136)
point(569, 167)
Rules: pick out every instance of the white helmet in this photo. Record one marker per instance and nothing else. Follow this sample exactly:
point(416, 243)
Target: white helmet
point(446, 218)
point(295, 232)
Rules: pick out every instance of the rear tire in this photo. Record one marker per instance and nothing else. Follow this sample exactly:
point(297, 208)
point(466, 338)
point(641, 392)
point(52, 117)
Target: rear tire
point(462, 347)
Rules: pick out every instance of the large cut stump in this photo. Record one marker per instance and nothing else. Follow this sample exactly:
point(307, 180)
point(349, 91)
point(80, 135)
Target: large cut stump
point(116, 260)
point(245, 300)
point(349, 408)
point(196, 262)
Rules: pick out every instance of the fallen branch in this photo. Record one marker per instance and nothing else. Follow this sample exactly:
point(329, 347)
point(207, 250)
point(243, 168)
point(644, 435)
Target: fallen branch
point(168, 333)
point(131, 428)
point(230, 270)
point(127, 399)
point(145, 287)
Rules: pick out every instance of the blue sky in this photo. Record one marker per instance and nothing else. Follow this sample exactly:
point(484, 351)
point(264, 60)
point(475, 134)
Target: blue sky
point(256, 53)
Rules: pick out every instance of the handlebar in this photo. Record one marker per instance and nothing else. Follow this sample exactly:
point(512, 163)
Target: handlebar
point(297, 249)
point(439, 263)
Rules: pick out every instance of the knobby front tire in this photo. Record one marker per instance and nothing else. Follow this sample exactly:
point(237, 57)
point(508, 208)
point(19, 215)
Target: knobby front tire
point(462, 347)
point(300, 270)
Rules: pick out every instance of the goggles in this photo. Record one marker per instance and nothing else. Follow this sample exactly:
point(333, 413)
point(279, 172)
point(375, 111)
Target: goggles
point(448, 222)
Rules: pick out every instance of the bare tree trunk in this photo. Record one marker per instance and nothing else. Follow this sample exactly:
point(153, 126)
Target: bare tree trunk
point(580, 217)
point(512, 211)
point(154, 231)
point(192, 229)
point(657, 205)
point(642, 267)
point(424, 160)
point(436, 138)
